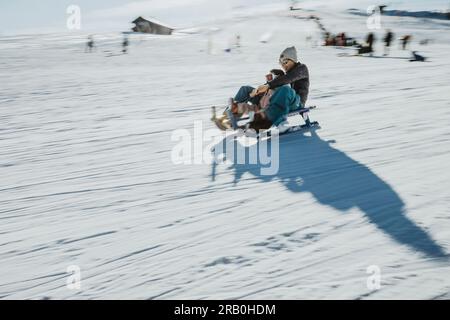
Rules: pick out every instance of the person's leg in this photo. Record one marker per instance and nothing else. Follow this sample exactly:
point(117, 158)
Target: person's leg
point(243, 95)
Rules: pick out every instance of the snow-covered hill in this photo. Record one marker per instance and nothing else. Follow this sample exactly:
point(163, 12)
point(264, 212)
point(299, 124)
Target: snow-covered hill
point(87, 177)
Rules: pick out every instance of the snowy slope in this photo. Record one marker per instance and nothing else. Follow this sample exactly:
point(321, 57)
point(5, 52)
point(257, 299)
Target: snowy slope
point(87, 177)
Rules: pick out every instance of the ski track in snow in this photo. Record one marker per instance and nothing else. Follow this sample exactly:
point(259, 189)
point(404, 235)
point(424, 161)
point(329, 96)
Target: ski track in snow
point(87, 178)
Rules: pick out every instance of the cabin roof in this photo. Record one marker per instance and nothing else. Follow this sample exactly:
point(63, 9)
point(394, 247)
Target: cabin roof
point(154, 21)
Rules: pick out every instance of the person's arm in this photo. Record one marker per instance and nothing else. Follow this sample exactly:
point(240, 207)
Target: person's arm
point(298, 73)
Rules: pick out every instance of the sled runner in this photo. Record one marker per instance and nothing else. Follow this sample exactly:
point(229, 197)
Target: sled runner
point(229, 121)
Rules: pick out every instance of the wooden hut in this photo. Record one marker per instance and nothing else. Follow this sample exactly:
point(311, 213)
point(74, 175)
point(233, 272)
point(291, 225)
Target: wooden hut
point(146, 26)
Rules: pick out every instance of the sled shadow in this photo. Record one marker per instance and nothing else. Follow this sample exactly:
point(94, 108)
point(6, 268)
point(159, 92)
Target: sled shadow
point(310, 164)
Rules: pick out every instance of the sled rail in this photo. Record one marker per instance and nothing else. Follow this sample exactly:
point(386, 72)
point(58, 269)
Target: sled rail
point(292, 113)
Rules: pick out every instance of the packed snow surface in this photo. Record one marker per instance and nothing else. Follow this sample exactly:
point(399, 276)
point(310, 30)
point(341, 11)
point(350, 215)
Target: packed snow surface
point(87, 177)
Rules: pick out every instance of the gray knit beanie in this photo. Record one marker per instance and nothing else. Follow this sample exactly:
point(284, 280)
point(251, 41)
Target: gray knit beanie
point(289, 53)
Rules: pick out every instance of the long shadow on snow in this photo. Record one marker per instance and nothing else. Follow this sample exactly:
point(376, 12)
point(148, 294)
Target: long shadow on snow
point(310, 164)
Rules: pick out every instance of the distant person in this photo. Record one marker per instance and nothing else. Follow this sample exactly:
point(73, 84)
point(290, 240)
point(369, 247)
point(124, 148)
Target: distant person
point(330, 40)
point(387, 41)
point(368, 47)
point(90, 44)
point(417, 57)
point(370, 41)
point(238, 41)
point(405, 41)
point(340, 39)
point(125, 44)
